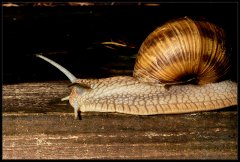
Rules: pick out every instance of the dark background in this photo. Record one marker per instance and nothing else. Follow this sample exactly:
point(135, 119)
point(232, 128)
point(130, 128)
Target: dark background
point(71, 35)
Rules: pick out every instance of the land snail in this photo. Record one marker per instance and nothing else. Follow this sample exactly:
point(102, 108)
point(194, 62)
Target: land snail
point(179, 68)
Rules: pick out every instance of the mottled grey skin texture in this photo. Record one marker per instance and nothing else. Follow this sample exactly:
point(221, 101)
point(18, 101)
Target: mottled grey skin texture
point(125, 94)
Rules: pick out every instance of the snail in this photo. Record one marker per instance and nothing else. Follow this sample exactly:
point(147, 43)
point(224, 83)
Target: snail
point(179, 68)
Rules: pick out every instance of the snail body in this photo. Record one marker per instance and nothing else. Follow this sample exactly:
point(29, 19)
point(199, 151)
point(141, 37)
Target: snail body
point(176, 54)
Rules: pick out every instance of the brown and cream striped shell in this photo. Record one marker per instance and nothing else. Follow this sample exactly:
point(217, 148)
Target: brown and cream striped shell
point(183, 50)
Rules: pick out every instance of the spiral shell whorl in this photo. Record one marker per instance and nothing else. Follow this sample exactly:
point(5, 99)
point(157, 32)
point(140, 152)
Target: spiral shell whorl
point(182, 50)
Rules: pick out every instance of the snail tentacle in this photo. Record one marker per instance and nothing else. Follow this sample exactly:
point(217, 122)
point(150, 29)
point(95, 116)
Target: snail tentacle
point(180, 68)
point(65, 98)
point(70, 76)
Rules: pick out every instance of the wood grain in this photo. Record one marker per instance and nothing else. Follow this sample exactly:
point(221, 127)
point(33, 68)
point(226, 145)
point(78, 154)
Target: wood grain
point(36, 125)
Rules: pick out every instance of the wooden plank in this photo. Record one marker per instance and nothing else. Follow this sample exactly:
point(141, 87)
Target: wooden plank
point(209, 135)
point(35, 97)
point(52, 133)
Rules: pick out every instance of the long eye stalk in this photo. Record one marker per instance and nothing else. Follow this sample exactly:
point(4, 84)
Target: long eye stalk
point(70, 76)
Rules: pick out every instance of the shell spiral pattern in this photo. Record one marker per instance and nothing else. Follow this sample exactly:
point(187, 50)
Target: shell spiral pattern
point(183, 50)
point(180, 51)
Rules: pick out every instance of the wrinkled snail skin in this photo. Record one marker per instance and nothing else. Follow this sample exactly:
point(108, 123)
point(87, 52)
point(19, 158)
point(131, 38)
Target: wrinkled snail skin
point(130, 96)
point(125, 94)
point(179, 51)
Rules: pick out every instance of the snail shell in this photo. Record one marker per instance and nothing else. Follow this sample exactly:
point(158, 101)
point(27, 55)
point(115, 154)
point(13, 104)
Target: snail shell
point(183, 50)
point(179, 51)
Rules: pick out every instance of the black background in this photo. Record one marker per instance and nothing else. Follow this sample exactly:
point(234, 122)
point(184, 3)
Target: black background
point(71, 35)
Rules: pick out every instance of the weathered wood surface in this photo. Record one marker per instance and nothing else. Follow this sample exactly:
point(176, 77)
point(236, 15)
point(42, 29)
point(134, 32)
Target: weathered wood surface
point(36, 125)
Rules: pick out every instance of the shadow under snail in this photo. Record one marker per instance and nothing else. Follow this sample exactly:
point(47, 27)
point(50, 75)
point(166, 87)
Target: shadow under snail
point(179, 69)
